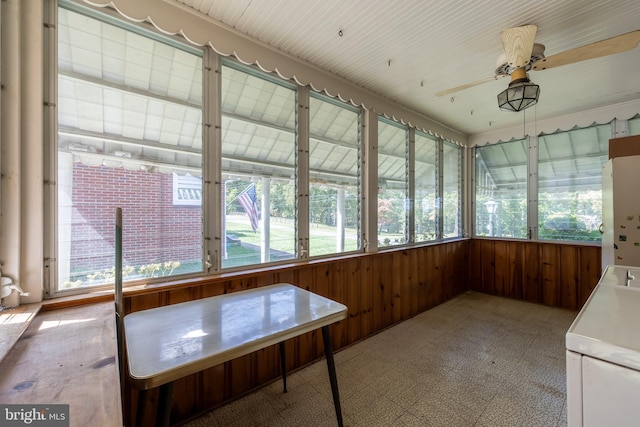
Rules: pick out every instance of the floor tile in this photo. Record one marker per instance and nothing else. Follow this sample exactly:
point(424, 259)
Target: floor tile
point(476, 360)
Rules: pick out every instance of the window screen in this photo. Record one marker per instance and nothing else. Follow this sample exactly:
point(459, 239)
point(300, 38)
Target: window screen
point(129, 122)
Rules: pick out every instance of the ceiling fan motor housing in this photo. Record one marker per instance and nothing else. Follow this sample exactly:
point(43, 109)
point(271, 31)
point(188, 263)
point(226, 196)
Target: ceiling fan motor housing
point(503, 68)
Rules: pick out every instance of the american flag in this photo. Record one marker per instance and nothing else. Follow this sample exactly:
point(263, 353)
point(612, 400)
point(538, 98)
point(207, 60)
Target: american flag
point(248, 201)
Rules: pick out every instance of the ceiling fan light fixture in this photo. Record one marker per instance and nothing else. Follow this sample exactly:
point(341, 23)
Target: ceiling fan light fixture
point(520, 94)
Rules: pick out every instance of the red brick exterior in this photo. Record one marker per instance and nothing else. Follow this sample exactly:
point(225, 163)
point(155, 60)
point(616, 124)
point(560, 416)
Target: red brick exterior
point(154, 229)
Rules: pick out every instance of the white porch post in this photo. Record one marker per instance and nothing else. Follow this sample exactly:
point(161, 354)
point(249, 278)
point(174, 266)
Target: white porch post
point(340, 221)
point(265, 254)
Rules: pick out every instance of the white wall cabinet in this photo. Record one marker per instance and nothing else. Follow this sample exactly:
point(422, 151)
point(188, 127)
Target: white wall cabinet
point(621, 211)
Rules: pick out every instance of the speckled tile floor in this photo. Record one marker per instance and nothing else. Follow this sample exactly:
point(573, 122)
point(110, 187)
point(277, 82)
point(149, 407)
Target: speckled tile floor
point(476, 360)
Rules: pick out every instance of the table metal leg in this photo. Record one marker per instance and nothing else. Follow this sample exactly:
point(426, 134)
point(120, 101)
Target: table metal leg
point(331, 366)
point(164, 405)
point(141, 408)
point(283, 365)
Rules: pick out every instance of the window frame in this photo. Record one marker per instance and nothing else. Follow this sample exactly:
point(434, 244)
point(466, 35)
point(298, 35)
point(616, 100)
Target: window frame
point(533, 188)
point(51, 283)
point(360, 167)
point(407, 203)
point(211, 194)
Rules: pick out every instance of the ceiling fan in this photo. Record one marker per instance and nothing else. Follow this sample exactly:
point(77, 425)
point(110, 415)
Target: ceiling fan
point(522, 54)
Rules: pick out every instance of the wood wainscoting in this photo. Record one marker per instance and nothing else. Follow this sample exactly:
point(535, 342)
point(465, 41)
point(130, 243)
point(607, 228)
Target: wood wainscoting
point(379, 290)
point(553, 274)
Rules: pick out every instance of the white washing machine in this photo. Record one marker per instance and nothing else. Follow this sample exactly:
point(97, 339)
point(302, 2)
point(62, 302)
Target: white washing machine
point(603, 353)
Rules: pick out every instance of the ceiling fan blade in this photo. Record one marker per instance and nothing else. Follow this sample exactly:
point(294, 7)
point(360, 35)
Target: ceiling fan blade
point(613, 45)
point(518, 44)
point(468, 85)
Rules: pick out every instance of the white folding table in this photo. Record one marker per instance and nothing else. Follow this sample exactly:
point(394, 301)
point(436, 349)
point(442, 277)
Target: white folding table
point(170, 342)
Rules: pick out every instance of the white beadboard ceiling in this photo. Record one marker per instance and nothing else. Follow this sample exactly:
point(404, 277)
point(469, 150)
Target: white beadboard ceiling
point(409, 50)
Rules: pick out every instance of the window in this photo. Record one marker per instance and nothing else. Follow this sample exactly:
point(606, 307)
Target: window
point(634, 125)
point(501, 190)
point(426, 188)
point(452, 190)
point(130, 134)
point(258, 167)
point(187, 190)
point(334, 177)
point(393, 146)
point(570, 183)
point(129, 126)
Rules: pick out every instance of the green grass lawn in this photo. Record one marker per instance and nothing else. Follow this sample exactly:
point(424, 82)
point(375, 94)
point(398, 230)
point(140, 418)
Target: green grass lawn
point(282, 243)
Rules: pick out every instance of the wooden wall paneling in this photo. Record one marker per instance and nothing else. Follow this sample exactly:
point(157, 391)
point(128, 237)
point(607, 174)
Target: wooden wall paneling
point(447, 275)
point(421, 279)
point(240, 374)
point(288, 275)
point(213, 289)
point(211, 387)
point(458, 256)
point(515, 278)
point(408, 287)
point(323, 280)
point(452, 273)
point(433, 275)
point(182, 295)
point(188, 403)
point(338, 292)
point(232, 285)
point(569, 276)
point(532, 286)
point(549, 274)
point(265, 279)
point(386, 275)
point(488, 265)
point(366, 285)
point(501, 271)
point(144, 301)
point(414, 295)
point(427, 263)
point(267, 363)
point(463, 261)
point(590, 272)
point(353, 285)
point(377, 302)
point(241, 284)
point(150, 409)
point(475, 265)
point(399, 285)
point(459, 264)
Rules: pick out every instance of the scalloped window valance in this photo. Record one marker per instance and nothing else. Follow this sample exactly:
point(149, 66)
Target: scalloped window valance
point(175, 18)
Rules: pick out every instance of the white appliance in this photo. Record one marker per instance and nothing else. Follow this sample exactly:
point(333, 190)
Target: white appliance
point(621, 211)
point(603, 353)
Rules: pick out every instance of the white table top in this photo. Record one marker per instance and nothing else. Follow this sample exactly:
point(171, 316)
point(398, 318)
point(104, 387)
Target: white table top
point(608, 326)
point(170, 342)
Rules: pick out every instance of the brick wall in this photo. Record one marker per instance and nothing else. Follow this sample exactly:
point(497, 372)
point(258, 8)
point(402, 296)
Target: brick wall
point(154, 230)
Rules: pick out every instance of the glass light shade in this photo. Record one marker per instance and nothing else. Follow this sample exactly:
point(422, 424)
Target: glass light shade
point(519, 95)
point(492, 206)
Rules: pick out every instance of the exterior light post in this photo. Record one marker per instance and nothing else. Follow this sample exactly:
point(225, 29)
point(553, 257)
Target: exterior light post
point(492, 207)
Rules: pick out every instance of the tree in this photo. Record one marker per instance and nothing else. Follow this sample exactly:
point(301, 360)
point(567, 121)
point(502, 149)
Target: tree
point(388, 218)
